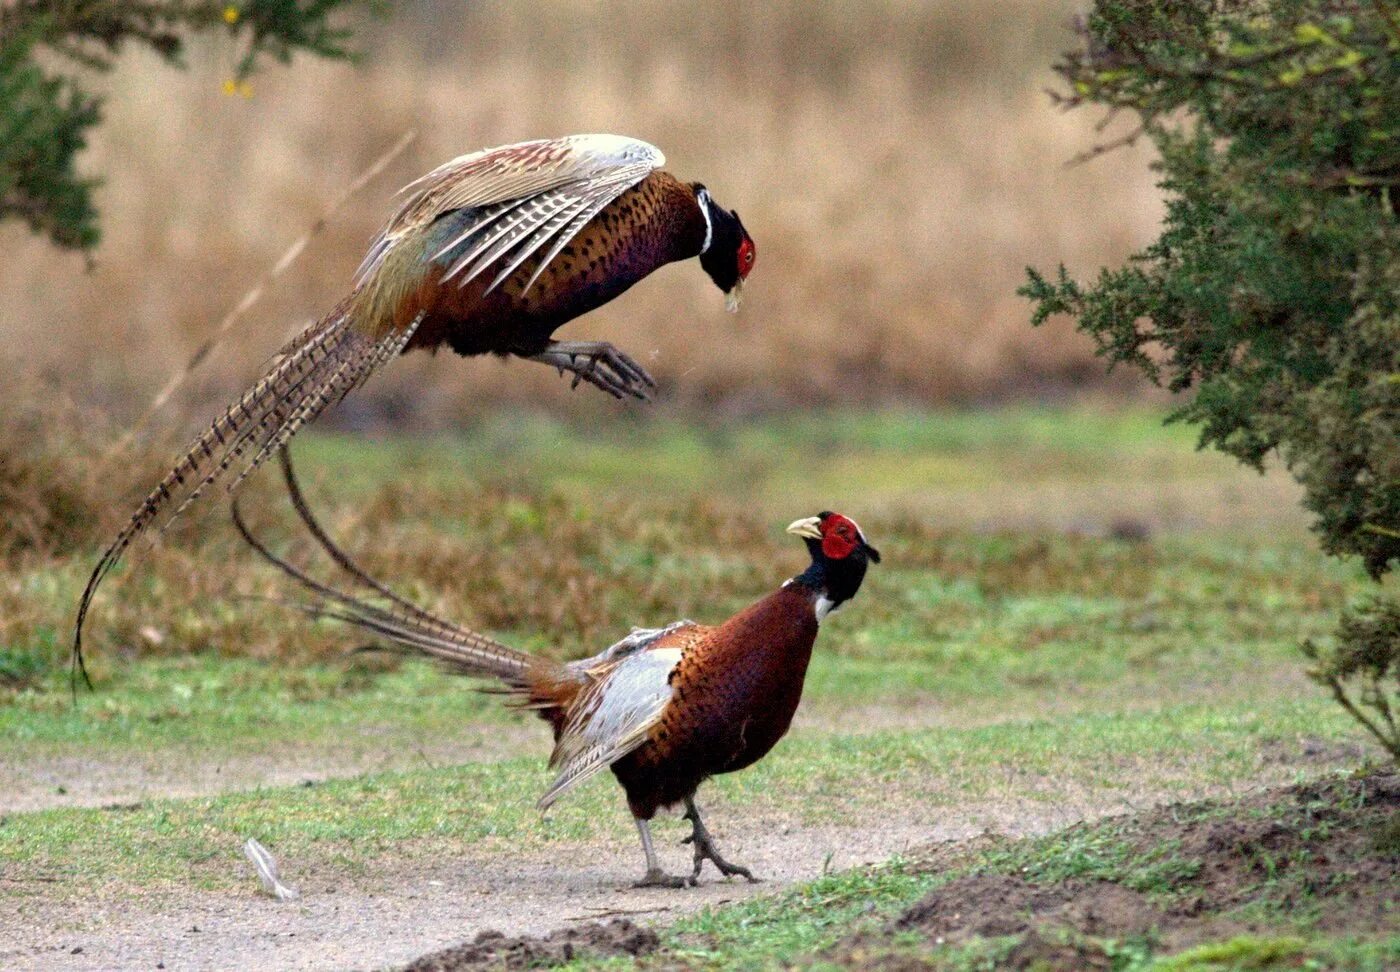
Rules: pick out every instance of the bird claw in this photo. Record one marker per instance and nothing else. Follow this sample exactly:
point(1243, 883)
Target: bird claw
point(601, 365)
point(705, 850)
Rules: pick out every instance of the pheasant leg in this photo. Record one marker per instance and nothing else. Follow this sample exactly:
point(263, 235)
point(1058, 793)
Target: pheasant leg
point(599, 364)
point(655, 877)
point(705, 849)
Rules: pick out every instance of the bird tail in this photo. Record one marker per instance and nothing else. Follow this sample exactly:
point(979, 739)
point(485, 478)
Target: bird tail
point(403, 623)
point(315, 370)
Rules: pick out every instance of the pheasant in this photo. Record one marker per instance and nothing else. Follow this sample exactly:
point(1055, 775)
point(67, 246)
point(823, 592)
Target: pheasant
point(489, 253)
point(663, 708)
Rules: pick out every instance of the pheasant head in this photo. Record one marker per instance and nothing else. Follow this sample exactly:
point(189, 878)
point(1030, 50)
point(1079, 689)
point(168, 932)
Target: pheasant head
point(728, 253)
point(840, 556)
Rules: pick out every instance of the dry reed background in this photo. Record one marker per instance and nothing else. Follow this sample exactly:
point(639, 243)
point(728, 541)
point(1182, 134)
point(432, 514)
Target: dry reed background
point(898, 163)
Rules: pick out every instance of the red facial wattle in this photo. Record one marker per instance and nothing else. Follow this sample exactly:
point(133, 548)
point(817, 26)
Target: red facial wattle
point(840, 537)
point(748, 256)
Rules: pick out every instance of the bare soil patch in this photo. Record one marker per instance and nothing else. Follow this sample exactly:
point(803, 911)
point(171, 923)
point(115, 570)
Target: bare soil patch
point(493, 950)
point(1000, 904)
point(1325, 854)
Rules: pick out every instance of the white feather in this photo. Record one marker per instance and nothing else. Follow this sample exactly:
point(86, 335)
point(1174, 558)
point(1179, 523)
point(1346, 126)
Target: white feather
point(615, 714)
point(703, 198)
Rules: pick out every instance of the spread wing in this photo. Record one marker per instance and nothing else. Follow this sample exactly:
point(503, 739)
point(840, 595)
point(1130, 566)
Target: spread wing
point(515, 200)
point(629, 690)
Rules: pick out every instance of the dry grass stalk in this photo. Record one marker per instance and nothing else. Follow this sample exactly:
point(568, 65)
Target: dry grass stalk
point(255, 293)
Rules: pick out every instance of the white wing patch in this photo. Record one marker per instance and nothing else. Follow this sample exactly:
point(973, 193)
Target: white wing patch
point(616, 712)
point(635, 640)
point(522, 196)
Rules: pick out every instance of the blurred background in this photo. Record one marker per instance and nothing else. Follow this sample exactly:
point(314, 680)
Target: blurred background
point(899, 164)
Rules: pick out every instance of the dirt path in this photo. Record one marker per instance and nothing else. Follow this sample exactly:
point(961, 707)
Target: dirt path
point(399, 909)
point(397, 913)
point(68, 778)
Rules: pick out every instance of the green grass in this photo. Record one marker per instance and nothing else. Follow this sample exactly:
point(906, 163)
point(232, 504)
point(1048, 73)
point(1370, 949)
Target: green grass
point(1249, 952)
point(241, 705)
point(892, 458)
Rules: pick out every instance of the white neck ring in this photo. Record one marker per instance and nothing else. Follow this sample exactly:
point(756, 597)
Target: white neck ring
point(703, 198)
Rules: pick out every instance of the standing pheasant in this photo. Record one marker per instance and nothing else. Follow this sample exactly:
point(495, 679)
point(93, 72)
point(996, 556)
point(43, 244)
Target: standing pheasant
point(664, 708)
point(489, 254)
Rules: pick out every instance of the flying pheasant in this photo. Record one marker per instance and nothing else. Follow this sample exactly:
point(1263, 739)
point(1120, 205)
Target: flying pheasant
point(664, 708)
point(490, 253)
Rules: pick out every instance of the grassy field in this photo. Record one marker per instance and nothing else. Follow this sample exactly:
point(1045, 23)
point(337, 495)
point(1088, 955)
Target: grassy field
point(1076, 615)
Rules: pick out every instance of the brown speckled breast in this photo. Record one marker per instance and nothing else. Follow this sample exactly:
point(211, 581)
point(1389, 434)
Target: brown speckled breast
point(736, 689)
point(654, 223)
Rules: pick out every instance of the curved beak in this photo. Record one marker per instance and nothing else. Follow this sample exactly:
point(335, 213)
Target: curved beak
point(733, 296)
point(808, 528)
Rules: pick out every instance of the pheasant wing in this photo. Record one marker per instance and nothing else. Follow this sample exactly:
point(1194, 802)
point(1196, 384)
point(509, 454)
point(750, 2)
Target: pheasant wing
point(521, 197)
point(628, 693)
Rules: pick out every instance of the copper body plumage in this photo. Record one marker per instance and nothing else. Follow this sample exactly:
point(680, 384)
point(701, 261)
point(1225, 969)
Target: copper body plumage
point(734, 692)
point(650, 225)
point(665, 708)
point(489, 253)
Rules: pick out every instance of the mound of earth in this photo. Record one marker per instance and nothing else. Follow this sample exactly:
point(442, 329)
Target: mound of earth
point(493, 950)
point(1326, 853)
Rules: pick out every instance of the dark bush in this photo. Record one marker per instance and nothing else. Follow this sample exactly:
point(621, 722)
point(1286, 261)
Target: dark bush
point(1273, 293)
point(46, 111)
point(1271, 301)
point(1362, 669)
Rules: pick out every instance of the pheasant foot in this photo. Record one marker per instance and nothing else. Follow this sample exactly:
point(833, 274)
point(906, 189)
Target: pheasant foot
point(600, 364)
point(705, 849)
point(657, 878)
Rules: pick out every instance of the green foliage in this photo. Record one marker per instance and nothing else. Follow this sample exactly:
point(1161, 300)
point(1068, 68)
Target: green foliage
point(42, 124)
point(46, 114)
point(1274, 289)
point(1366, 656)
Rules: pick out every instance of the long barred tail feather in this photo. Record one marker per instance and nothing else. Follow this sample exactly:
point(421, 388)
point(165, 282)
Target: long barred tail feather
point(312, 372)
point(341, 558)
point(354, 369)
point(405, 624)
point(271, 418)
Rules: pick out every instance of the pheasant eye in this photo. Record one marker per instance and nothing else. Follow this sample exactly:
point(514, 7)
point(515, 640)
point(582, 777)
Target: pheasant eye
point(746, 255)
